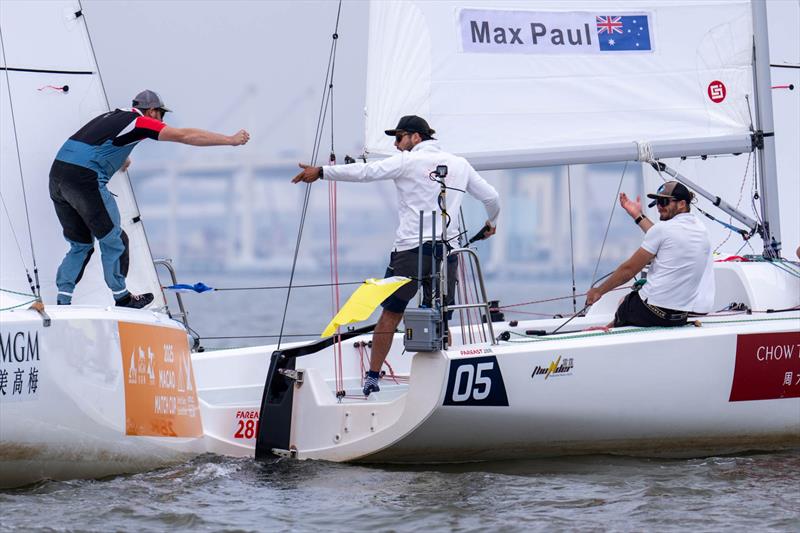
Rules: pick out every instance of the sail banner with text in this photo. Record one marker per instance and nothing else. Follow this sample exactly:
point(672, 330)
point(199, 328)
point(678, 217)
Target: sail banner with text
point(500, 81)
point(529, 32)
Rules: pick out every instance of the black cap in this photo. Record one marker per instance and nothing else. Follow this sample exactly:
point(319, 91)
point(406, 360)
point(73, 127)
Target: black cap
point(412, 124)
point(672, 189)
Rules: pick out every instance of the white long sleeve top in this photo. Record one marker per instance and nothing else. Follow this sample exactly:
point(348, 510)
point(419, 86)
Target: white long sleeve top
point(416, 191)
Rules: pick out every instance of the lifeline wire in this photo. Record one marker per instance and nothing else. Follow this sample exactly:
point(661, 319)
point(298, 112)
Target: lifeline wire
point(315, 153)
point(35, 289)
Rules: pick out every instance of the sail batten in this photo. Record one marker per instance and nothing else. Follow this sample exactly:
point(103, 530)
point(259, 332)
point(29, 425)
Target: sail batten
point(543, 82)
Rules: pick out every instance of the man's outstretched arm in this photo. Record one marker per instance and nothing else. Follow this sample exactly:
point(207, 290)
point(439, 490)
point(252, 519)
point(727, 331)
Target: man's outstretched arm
point(198, 137)
point(623, 273)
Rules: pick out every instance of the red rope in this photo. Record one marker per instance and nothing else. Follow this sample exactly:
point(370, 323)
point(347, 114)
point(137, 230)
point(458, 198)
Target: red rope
point(63, 88)
point(334, 277)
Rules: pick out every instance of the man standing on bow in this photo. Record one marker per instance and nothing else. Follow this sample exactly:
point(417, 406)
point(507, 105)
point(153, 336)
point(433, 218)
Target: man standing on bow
point(681, 277)
point(86, 208)
point(411, 172)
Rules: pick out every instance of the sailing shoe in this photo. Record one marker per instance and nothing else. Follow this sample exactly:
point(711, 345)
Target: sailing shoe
point(371, 382)
point(135, 301)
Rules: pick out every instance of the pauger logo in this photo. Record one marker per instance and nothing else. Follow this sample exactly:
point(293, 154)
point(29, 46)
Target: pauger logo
point(556, 368)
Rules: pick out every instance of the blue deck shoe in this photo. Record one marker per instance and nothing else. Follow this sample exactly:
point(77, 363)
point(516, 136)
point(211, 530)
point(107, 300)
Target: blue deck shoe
point(371, 382)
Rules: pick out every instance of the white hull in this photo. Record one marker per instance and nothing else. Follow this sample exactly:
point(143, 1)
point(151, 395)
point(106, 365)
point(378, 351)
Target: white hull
point(655, 392)
point(69, 416)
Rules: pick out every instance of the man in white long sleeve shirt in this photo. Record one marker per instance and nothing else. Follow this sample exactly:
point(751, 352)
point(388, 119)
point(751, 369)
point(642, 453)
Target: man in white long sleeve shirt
point(416, 191)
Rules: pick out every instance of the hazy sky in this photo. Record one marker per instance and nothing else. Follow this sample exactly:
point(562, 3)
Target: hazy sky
point(256, 64)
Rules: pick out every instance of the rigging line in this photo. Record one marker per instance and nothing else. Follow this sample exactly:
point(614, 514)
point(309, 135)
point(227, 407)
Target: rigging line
point(738, 203)
point(333, 221)
point(47, 71)
point(137, 216)
point(610, 217)
point(94, 55)
point(571, 243)
point(294, 259)
point(34, 288)
point(316, 335)
point(754, 187)
point(746, 243)
point(13, 232)
point(271, 287)
point(314, 154)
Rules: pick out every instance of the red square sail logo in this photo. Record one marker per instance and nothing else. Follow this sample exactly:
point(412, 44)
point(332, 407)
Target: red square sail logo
point(767, 367)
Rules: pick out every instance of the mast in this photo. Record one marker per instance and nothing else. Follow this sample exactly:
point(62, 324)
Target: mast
point(765, 134)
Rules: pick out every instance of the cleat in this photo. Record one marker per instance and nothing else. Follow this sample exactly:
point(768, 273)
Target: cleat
point(135, 301)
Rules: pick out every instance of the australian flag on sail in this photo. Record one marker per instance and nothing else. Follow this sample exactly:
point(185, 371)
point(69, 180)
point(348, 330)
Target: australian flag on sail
point(623, 33)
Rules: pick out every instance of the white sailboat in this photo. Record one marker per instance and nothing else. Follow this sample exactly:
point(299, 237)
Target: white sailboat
point(116, 391)
point(90, 389)
point(510, 85)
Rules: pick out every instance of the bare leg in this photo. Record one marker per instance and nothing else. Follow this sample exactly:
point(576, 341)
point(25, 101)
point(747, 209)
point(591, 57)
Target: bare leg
point(382, 338)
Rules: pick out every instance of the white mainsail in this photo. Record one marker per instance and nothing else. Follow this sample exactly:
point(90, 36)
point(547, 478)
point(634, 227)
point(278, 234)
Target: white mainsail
point(506, 87)
point(45, 46)
point(730, 177)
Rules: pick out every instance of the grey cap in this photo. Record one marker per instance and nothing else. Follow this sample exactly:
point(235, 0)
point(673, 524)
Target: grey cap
point(148, 99)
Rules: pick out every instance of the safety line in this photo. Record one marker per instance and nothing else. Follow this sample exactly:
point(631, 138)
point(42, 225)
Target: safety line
point(19, 305)
point(633, 329)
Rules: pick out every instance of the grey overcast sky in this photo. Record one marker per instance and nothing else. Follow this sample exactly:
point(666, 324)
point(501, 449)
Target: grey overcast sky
point(257, 64)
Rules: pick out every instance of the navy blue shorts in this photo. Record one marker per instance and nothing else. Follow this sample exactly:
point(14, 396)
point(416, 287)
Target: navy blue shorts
point(405, 263)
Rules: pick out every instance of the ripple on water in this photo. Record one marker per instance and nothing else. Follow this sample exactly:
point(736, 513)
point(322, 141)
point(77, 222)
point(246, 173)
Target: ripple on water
point(588, 493)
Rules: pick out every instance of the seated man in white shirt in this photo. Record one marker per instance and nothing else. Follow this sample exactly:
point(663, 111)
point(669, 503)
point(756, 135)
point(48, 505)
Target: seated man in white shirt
point(681, 277)
point(411, 171)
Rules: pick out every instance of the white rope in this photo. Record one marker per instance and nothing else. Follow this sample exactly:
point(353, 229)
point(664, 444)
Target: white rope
point(645, 150)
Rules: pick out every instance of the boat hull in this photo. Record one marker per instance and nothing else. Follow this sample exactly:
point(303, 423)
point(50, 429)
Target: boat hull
point(726, 383)
point(653, 394)
point(98, 392)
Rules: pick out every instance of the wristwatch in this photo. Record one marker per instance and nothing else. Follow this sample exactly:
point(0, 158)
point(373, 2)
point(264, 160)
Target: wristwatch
point(639, 219)
point(321, 172)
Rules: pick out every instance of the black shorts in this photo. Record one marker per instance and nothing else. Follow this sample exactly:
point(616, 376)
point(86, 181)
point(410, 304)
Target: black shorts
point(79, 206)
point(634, 312)
point(405, 263)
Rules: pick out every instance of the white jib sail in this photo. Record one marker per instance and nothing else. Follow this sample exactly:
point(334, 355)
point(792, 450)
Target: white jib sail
point(46, 46)
point(512, 83)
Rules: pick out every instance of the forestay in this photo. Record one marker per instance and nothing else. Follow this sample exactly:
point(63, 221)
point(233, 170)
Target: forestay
point(515, 84)
point(46, 47)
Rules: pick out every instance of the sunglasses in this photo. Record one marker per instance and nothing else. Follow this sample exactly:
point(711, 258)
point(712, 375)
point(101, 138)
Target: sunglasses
point(399, 136)
point(664, 202)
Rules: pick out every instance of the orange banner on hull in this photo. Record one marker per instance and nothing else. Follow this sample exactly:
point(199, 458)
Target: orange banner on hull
point(160, 391)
